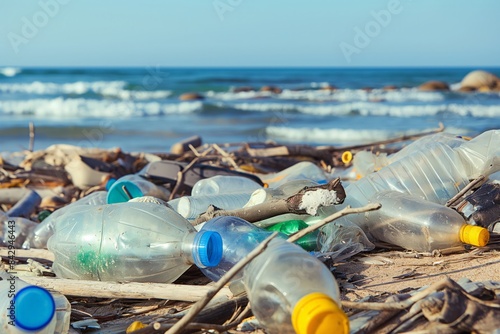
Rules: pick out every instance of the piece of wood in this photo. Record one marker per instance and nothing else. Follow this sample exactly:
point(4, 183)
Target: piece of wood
point(29, 254)
point(292, 204)
point(132, 290)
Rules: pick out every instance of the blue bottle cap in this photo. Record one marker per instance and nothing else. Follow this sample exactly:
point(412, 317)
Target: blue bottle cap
point(208, 249)
point(34, 308)
point(120, 190)
point(110, 183)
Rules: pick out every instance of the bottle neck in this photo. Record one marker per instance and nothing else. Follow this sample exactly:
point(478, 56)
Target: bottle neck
point(204, 249)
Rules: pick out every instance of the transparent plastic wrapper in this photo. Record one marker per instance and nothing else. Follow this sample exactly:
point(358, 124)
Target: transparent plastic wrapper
point(133, 241)
point(132, 186)
point(222, 184)
point(293, 292)
point(419, 225)
point(191, 206)
point(239, 238)
point(365, 162)
point(35, 310)
point(14, 231)
point(43, 231)
point(284, 191)
point(341, 239)
point(301, 171)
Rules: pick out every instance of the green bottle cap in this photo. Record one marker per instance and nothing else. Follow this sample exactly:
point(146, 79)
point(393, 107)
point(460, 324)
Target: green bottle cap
point(43, 215)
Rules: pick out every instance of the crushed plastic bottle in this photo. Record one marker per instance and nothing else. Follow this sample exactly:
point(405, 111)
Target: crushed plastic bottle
point(293, 292)
point(14, 231)
point(223, 184)
point(132, 186)
point(34, 309)
point(301, 171)
point(239, 238)
point(365, 162)
point(133, 241)
point(43, 231)
point(419, 225)
point(482, 207)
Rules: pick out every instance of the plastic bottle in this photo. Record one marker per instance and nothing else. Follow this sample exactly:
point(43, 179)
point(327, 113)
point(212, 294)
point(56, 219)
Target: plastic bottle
point(365, 162)
point(43, 231)
point(284, 191)
point(308, 242)
point(35, 310)
point(301, 171)
point(482, 207)
point(222, 184)
point(15, 231)
point(293, 292)
point(132, 186)
point(419, 225)
point(191, 206)
point(435, 175)
point(239, 238)
point(133, 241)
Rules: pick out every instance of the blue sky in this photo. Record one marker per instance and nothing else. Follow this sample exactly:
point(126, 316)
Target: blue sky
point(250, 33)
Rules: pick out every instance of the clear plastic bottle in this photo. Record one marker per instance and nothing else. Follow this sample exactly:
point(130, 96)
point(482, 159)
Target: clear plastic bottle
point(43, 231)
point(419, 225)
point(365, 162)
point(293, 292)
point(301, 171)
point(132, 186)
point(15, 231)
point(191, 206)
point(283, 191)
point(136, 242)
point(35, 310)
point(239, 238)
point(436, 175)
point(222, 184)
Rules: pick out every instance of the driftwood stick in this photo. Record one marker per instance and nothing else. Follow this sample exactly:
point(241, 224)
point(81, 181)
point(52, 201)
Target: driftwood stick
point(198, 306)
point(226, 156)
point(292, 204)
point(32, 137)
point(462, 192)
point(393, 140)
point(180, 175)
point(132, 290)
point(344, 212)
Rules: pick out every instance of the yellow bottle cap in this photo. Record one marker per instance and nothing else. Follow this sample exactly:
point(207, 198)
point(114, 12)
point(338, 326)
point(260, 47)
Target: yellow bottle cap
point(317, 313)
point(346, 157)
point(474, 235)
point(135, 326)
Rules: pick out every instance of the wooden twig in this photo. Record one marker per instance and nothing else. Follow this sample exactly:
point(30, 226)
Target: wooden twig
point(344, 212)
point(292, 204)
point(198, 306)
point(180, 175)
point(462, 192)
point(32, 137)
point(227, 156)
point(132, 290)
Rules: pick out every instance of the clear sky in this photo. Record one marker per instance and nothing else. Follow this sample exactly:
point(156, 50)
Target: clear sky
point(250, 33)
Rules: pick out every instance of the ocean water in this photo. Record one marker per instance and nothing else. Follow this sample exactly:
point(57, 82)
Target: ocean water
point(138, 109)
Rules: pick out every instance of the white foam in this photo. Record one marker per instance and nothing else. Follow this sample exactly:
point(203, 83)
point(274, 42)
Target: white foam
point(106, 88)
point(337, 135)
point(60, 107)
point(370, 108)
point(10, 71)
